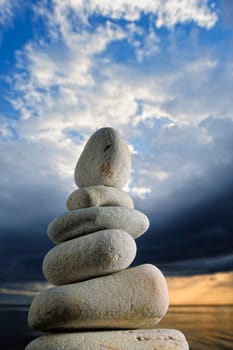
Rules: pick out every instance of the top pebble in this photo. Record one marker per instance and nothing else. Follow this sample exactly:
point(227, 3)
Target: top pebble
point(105, 160)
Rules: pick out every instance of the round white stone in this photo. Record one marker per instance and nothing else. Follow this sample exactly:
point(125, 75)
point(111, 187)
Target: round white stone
point(87, 220)
point(93, 255)
point(146, 339)
point(105, 160)
point(95, 196)
point(132, 298)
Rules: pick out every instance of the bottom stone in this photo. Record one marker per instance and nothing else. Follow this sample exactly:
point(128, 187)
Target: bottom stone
point(146, 339)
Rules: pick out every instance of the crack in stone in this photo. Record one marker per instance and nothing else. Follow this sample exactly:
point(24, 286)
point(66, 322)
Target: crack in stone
point(107, 147)
point(109, 347)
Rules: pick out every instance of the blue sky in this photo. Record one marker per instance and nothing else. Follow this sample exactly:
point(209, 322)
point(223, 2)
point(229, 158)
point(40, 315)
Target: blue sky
point(160, 72)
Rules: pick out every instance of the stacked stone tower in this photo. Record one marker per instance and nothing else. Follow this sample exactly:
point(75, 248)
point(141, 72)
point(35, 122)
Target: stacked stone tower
point(98, 303)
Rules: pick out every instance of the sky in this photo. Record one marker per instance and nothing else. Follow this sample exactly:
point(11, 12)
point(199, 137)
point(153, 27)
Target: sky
point(161, 73)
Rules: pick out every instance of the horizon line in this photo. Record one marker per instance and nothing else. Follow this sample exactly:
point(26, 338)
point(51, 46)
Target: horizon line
point(171, 305)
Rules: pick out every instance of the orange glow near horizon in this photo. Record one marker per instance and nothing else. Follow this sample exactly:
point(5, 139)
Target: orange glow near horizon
point(216, 289)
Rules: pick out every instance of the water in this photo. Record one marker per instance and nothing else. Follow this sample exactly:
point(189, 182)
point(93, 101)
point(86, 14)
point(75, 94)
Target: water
point(205, 327)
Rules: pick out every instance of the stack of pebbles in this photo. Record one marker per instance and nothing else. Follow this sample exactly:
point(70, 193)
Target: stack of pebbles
point(94, 291)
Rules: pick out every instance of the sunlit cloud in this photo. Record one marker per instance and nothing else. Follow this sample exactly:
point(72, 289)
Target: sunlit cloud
point(201, 290)
point(194, 290)
point(32, 290)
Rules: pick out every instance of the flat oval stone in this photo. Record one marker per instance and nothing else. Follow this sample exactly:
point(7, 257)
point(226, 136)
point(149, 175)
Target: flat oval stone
point(87, 220)
point(94, 196)
point(93, 255)
point(132, 298)
point(105, 160)
point(146, 339)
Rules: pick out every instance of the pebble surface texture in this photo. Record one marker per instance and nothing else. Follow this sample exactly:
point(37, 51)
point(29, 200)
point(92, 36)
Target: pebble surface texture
point(95, 196)
point(87, 220)
point(105, 160)
point(147, 339)
point(93, 255)
point(132, 298)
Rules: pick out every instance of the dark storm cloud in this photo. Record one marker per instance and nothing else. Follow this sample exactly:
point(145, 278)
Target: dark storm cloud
point(21, 255)
point(191, 213)
point(191, 241)
point(31, 195)
point(194, 226)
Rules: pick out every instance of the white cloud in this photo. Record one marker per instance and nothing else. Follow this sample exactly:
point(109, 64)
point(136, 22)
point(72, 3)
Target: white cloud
point(149, 47)
point(162, 175)
point(71, 85)
point(171, 12)
point(167, 13)
point(66, 85)
point(6, 12)
point(140, 191)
